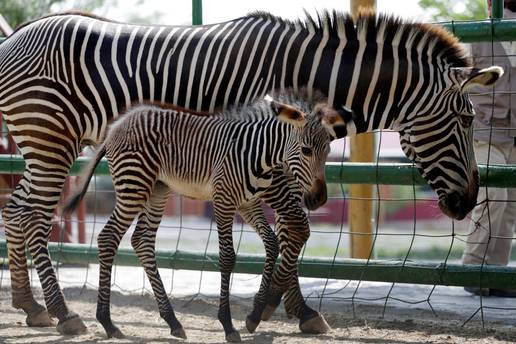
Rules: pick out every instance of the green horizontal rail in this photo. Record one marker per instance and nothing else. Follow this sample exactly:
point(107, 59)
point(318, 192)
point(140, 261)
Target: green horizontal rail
point(483, 30)
point(347, 173)
point(347, 269)
point(500, 176)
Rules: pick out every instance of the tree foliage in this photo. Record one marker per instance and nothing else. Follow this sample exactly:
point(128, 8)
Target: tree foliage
point(17, 12)
point(445, 10)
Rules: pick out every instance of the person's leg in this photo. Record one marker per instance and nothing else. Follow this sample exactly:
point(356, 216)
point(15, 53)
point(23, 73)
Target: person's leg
point(492, 221)
point(499, 250)
point(486, 217)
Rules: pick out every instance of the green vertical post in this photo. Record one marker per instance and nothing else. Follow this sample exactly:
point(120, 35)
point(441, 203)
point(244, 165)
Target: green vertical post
point(497, 9)
point(197, 12)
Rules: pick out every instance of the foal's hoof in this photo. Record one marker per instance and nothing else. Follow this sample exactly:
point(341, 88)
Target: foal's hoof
point(315, 325)
point(179, 333)
point(71, 326)
point(268, 311)
point(250, 324)
point(40, 319)
point(116, 333)
point(233, 337)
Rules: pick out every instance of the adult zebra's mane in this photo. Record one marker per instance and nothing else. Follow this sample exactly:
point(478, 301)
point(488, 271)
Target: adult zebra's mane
point(368, 26)
point(338, 24)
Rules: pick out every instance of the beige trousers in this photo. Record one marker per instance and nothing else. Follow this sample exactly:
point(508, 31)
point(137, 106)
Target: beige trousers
point(491, 233)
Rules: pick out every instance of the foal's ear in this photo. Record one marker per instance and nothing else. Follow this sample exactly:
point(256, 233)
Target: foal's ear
point(288, 113)
point(334, 120)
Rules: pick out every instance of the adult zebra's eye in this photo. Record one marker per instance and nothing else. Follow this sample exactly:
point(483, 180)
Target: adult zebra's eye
point(307, 151)
point(466, 120)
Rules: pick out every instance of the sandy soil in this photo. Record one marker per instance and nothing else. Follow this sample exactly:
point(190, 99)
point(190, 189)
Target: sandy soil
point(138, 318)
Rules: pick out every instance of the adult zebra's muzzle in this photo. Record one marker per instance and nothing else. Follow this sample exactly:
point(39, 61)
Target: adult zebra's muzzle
point(317, 195)
point(458, 204)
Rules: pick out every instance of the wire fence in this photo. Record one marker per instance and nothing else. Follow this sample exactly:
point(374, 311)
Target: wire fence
point(408, 227)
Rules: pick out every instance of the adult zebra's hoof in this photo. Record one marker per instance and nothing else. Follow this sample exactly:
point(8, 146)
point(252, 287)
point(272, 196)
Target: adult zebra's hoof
point(179, 333)
point(72, 325)
point(315, 325)
point(233, 337)
point(39, 319)
point(37, 315)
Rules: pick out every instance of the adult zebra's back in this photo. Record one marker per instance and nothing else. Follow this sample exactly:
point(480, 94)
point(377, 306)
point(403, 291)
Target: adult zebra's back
point(64, 77)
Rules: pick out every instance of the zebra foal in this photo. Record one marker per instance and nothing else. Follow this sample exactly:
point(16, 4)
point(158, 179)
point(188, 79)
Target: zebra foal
point(230, 161)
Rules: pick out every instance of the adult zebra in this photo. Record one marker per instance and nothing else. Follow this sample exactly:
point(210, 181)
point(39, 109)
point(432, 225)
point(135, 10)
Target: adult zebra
point(64, 77)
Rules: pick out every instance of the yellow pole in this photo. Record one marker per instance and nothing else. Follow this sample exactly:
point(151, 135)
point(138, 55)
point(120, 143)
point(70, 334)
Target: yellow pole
point(360, 204)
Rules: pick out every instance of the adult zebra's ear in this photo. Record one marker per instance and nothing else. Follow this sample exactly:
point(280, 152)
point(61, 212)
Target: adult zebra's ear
point(480, 77)
point(288, 113)
point(334, 120)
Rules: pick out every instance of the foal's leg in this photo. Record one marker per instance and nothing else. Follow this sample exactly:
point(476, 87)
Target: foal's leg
point(224, 214)
point(253, 214)
point(132, 192)
point(143, 241)
point(293, 232)
point(108, 241)
point(310, 321)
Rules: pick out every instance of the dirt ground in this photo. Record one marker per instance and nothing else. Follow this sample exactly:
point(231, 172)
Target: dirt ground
point(138, 318)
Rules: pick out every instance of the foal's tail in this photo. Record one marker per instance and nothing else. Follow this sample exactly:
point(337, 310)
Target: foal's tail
point(73, 202)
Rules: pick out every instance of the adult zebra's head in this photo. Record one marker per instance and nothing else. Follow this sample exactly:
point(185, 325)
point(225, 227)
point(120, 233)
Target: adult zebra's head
point(308, 146)
point(440, 142)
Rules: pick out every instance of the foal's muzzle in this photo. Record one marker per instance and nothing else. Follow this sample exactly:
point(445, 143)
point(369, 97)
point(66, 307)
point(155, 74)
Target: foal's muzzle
point(317, 195)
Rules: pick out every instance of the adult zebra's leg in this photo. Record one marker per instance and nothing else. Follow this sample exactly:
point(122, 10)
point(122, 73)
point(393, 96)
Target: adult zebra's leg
point(44, 180)
point(253, 214)
point(22, 297)
point(224, 214)
point(143, 241)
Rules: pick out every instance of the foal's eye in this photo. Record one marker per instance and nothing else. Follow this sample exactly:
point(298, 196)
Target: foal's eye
point(306, 151)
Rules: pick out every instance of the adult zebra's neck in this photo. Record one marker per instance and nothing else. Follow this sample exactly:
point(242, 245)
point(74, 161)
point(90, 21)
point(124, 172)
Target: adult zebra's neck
point(384, 69)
